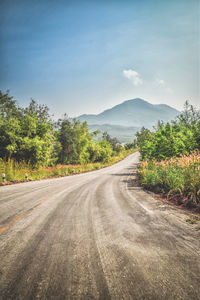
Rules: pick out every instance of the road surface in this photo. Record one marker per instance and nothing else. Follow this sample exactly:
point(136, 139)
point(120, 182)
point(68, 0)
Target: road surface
point(95, 236)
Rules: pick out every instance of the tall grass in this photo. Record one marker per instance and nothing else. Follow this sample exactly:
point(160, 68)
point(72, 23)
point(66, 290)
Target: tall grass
point(16, 171)
point(177, 177)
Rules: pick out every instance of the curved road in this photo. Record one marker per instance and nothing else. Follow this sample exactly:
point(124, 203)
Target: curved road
point(95, 236)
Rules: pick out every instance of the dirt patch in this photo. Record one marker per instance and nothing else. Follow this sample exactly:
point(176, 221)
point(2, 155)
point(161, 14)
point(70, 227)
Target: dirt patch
point(177, 201)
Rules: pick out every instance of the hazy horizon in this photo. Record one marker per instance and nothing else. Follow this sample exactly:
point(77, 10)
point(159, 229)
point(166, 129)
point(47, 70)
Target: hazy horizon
point(82, 57)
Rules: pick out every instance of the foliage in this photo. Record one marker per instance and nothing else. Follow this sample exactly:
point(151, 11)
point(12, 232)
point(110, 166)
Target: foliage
point(192, 220)
point(180, 137)
point(8, 107)
point(171, 159)
point(130, 145)
point(15, 171)
point(78, 146)
point(25, 134)
point(29, 135)
point(176, 176)
point(100, 151)
point(113, 142)
point(74, 138)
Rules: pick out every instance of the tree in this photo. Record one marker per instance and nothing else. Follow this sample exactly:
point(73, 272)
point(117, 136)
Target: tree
point(130, 145)
point(180, 137)
point(190, 116)
point(28, 134)
point(25, 134)
point(74, 138)
point(8, 106)
point(115, 144)
point(38, 110)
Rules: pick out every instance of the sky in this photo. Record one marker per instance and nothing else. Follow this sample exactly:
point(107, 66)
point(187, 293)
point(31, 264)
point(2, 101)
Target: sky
point(86, 56)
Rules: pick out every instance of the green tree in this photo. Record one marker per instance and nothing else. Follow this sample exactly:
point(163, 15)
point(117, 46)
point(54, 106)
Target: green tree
point(180, 137)
point(74, 138)
point(115, 144)
point(8, 106)
point(25, 134)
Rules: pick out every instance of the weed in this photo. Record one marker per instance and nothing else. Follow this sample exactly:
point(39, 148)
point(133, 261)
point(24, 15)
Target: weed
point(191, 220)
point(176, 176)
point(16, 171)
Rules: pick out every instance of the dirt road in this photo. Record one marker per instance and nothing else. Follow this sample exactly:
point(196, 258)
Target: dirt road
point(95, 236)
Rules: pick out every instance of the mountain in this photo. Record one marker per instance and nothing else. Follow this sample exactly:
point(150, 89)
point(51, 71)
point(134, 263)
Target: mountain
point(135, 113)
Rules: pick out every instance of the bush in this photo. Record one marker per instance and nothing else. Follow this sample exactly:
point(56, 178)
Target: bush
point(180, 137)
point(16, 171)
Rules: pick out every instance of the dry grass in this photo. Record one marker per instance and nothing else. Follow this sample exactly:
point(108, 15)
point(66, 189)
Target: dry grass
point(16, 171)
point(177, 177)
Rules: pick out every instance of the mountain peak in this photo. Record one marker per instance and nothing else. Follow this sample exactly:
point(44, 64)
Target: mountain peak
point(138, 100)
point(134, 112)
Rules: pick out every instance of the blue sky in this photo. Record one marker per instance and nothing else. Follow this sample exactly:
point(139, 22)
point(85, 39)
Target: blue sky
point(85, 56)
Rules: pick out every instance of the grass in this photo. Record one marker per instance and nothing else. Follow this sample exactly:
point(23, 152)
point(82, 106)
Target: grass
point(178, 178)
point(191, 220)
point(15, 171)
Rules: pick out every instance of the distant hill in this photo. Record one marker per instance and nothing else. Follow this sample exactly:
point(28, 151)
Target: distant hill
point(123, 133)
point(125, 119)
point(135, 113)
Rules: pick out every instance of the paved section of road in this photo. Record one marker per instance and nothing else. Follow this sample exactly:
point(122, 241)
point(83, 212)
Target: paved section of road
point(95, 236)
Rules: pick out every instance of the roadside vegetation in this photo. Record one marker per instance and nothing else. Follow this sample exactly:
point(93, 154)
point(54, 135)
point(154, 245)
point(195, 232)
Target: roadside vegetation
point(171, 158)
point(15, 171)
point(34, 144)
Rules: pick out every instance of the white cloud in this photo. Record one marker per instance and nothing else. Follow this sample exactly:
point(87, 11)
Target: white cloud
point(160, 81)
point(133, 76)
point(170, 91)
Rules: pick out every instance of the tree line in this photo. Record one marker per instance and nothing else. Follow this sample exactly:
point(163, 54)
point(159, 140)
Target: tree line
point(173, 139)
point(29, 134)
